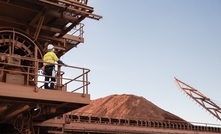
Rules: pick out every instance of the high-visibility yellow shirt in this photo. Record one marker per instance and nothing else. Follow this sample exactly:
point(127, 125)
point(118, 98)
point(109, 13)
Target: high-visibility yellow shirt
point(50, 58)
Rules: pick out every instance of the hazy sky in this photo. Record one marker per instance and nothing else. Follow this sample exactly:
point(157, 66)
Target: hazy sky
point(141, 45)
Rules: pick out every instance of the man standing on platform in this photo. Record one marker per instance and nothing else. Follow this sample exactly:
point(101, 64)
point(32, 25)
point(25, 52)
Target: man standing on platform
point(50, 58)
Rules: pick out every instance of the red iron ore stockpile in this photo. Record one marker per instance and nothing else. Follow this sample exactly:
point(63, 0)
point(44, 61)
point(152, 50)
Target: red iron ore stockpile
point(126, 106)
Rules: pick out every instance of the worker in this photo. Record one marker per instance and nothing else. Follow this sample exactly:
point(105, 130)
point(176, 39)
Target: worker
point(50, 58)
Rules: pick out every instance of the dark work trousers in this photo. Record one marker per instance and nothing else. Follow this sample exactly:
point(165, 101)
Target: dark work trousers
point(48, 72)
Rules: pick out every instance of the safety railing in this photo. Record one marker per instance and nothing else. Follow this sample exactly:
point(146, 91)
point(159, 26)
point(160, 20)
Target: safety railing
point(74, 1)
point(23, 70)
point(77, 31)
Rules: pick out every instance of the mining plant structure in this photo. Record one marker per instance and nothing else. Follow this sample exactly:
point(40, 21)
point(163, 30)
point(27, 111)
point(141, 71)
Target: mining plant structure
point(26, 28)
point(200, 98)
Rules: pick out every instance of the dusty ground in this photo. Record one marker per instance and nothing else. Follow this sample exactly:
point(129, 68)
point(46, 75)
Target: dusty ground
point(126, 107)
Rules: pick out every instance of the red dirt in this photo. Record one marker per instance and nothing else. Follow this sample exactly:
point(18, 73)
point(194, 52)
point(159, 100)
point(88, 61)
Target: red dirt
point(126, 107)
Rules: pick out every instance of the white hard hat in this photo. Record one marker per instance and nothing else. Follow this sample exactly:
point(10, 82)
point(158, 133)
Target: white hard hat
point(50, 47)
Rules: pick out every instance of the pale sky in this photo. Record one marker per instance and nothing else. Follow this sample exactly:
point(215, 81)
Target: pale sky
point(141, 45)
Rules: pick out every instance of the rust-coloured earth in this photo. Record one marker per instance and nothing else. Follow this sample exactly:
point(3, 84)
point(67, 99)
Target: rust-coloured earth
point(126, 106)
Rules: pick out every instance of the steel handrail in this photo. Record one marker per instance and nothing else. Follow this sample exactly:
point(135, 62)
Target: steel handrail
point(32, 74)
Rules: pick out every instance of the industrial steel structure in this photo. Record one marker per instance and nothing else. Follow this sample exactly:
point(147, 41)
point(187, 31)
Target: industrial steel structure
point(26, 28)
point(72, 123)
point(200, 98)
